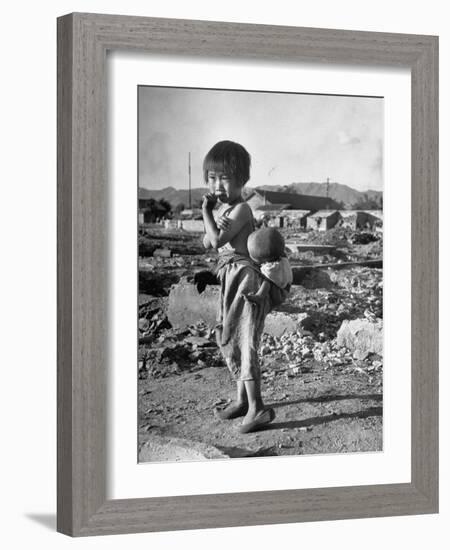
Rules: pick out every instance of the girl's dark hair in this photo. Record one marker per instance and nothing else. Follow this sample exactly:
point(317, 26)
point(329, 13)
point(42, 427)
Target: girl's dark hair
point(228, 157)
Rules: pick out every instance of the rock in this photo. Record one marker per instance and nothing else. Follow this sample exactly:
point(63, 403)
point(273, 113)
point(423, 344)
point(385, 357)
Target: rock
point(188, 306)
point(278, 323)
point(162, 253)
point(306, 352)
point(144, 324)
point(265, 349)
point(198, 341)
point(318, 355)
point(361, 337)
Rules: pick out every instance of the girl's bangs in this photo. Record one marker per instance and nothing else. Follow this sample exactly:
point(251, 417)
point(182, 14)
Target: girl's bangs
point(217, 165)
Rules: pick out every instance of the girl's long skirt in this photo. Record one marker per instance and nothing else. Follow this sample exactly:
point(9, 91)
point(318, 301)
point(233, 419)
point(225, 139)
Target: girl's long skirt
point(240, 323)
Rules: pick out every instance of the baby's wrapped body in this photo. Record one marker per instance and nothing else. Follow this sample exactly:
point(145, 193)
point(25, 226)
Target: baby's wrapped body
point(278, 272)
point(266, 248)
point(240, 323)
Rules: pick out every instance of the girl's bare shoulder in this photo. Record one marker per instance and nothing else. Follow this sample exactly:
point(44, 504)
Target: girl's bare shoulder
point(241, 210)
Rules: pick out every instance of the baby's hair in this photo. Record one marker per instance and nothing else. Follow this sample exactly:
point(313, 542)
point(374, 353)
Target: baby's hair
point(266, 245)
point(228, 157)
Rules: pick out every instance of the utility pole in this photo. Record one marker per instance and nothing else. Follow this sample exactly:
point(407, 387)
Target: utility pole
point(189, 170)
point(328, 192)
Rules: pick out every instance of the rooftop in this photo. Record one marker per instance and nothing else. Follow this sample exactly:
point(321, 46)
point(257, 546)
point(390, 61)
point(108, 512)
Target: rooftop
point(296, 201)
point(323, 213)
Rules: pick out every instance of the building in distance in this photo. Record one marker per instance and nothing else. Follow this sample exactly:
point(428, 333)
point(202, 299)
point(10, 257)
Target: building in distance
point(323, 220)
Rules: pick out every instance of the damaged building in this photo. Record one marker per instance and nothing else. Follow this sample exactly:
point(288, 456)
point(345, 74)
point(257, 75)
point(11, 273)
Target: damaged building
point(283, 209)
point(323, 220)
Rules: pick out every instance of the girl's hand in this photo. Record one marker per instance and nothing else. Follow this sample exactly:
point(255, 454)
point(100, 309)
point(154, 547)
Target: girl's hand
point(209, 201)
point(253, 298)
point(223, 223)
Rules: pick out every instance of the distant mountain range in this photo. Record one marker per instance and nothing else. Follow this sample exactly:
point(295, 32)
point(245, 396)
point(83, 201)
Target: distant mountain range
point(344, 194)
point(337, 191)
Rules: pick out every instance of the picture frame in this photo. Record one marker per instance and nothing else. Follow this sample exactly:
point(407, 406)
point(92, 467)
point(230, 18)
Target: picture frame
point(82, 505)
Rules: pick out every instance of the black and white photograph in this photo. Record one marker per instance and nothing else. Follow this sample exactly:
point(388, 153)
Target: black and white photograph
point(260, 274)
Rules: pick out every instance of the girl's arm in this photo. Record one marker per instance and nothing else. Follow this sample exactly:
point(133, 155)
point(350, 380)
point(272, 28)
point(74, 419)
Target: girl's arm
point(223, 223)
point(211, 229)
point(263, 289)
point(218, 237)
point(206, 241)
point(258, 297)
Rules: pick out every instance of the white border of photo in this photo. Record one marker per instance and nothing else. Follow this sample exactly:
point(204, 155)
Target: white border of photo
point(127, 478)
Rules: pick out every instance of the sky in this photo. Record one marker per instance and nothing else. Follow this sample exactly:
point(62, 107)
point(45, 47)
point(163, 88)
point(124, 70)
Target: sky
point(290, 137)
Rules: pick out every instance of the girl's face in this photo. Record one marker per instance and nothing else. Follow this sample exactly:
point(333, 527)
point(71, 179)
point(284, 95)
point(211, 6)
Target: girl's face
point(224, 186)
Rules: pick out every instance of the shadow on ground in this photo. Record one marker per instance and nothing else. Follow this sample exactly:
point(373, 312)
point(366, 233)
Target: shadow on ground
point(46, 520)
point(317, 420)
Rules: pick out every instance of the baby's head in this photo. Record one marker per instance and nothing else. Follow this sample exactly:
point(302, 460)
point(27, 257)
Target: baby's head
point(226, 169)
point(265, 245)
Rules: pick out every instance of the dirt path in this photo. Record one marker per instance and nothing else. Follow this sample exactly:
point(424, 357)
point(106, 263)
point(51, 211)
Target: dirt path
point(320, 410)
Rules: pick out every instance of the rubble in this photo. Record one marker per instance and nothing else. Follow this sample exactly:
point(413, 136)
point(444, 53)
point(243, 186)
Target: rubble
point(162, 253)
point(278, 323)
point(177, 241)
point(313, 326)
point(178, 351)
point(152, 320)
point(364, 238)
point(362, 336)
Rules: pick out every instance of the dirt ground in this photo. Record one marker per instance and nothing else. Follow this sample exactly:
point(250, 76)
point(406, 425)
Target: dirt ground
point(327, 398)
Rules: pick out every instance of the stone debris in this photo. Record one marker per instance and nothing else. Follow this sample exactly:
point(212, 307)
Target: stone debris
point(364, 238)
point(362, 337)
point(176, 351)
point(152, 320)
point(298, 354)
point(278, 323)
point(162, 253)
point(333, 318)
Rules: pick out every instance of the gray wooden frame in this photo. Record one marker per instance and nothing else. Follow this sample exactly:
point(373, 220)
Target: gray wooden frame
point(83, 40)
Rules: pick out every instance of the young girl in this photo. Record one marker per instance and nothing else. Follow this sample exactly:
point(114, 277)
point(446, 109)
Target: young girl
point(226, 170)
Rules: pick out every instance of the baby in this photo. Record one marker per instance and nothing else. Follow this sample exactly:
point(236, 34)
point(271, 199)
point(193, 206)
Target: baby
point(266, 248)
